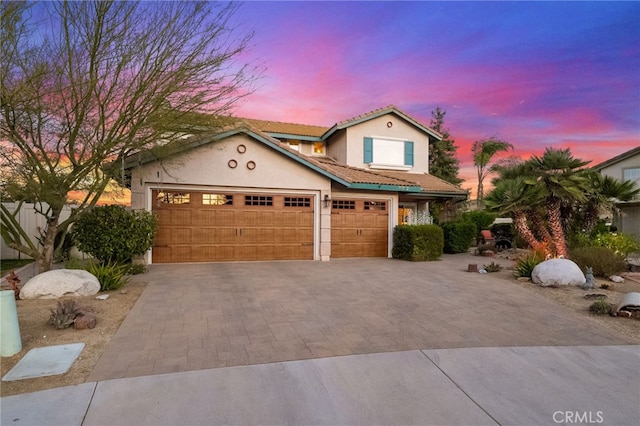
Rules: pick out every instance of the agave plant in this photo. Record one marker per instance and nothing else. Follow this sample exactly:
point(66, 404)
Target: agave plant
point(64, 314)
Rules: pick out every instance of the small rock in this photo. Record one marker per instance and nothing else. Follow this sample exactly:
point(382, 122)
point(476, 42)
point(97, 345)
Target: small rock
point(123, 291)
point(102, 297)
point(524, 279)
point(623, 314)
point(616, 279)
point(482, 271)
point(488, 253)
point(84, 321)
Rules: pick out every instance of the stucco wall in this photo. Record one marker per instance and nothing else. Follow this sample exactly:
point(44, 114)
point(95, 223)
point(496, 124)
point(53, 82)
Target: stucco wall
point(208, 167)
point(615, 170)
point(378, 127)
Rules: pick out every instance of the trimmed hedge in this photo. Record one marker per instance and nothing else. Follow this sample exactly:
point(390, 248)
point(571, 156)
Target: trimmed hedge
point(458, 236)
point(417, 243)
point(114, 234)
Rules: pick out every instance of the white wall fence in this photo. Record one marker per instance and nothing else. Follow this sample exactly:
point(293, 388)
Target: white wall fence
point(29, 220)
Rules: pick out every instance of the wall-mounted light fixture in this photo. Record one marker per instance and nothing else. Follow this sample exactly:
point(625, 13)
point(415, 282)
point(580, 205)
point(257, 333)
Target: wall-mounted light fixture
point(327, 200)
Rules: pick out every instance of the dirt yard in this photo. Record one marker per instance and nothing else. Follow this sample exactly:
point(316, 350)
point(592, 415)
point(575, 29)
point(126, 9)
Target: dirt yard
point(32, 318)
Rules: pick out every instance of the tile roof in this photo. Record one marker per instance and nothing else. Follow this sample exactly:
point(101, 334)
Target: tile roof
point(427, 182)
point(286, 128)
point(355, 174)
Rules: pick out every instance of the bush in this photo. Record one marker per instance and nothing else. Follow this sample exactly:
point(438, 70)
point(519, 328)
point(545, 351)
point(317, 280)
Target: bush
point(605, 262)
point(417, 243)
point(458, 236)
point(111, 276)
point(600, 307)
point(525, 264)
point(492, 267)
point(114, 234)
point(620, 243)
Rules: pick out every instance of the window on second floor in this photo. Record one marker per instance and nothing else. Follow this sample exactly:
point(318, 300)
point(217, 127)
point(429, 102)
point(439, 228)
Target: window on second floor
point(388, 153)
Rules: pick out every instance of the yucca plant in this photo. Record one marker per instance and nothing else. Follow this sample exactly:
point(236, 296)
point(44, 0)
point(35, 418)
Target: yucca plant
point(525, 264)
point(64, 314)
point(110, 275)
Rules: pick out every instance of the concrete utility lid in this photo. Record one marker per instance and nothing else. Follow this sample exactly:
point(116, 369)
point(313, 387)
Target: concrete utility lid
point(47, 361)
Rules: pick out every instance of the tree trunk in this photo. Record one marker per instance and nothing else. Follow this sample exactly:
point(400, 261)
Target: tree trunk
point(541, 230)
point(45, 262)
point(520, 223)
point(555, 223)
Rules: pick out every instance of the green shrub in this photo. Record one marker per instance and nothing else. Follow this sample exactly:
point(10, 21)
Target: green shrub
point(136, 268)
point(600, 307)
point(458, 236)
point(620, 243)
point(605, 262)
point(525, 264)
point(417, 242)
point(110, 275)
point(114, 234)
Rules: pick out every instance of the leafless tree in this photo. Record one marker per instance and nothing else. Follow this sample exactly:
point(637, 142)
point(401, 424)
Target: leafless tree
point(84, 84)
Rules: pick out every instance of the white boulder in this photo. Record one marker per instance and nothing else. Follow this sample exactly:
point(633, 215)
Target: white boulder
point(557, 272)
point(60, 282)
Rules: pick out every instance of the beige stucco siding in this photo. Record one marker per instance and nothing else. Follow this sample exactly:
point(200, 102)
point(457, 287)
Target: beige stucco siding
point(208, 167)
point(379, 127)
point(616, 170)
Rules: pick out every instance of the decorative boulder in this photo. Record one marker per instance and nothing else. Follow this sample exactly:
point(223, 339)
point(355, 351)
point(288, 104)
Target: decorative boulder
point(557, 272)
point(60, 282)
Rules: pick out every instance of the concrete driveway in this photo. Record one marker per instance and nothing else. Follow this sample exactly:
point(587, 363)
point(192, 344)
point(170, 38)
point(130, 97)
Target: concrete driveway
point(199, 316)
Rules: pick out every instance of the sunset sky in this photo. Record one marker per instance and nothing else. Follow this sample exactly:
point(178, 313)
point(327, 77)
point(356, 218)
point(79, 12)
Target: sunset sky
point(536, 74)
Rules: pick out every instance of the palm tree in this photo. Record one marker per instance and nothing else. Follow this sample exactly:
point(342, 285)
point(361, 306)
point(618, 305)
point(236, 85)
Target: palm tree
point(483, 151)
point(514, 197)
point(603, 194)
point(563, 179)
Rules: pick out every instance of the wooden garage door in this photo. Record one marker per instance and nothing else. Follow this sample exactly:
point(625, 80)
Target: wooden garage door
point(359, 228)
point(208, 227)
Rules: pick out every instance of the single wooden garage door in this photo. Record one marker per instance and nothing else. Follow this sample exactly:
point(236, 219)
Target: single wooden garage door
point(359, 228)
point(209, 227)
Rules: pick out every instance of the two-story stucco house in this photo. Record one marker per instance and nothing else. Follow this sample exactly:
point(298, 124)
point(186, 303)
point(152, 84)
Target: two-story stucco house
point(262, 190)
point(625, 166)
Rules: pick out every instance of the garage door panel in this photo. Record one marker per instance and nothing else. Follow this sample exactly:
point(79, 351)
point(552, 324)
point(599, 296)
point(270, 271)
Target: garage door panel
point(233, 227)
point(359, 228)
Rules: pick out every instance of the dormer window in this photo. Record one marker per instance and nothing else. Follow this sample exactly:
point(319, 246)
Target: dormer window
point(318, 148)
point(390, 154)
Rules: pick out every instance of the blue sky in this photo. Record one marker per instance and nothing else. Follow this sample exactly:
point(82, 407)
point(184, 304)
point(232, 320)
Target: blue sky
point(537, 74)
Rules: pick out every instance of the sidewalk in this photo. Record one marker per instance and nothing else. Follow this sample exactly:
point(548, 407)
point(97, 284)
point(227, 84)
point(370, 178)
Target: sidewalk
point(507, 385)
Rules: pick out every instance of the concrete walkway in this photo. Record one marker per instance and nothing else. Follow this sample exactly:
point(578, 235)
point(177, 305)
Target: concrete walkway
point(472, 386)
point(200, 316)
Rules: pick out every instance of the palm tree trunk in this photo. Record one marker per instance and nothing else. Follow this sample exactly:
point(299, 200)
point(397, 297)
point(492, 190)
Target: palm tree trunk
point(520, 223)
point(555, 223)
point(541, 230)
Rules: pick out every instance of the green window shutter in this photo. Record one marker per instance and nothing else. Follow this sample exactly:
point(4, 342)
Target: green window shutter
point(408, 153)
point(368, 150)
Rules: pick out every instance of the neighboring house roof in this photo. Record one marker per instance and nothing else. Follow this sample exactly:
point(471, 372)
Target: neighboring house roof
point(617, 159)
point(390, 109)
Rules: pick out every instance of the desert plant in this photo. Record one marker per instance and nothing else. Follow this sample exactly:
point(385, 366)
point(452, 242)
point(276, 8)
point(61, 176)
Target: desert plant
point(114, 234)
point(492, 267)
point(605, 262)
point(64, 314)
point(600, 307)
point(525, 264)
point(110, 275)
